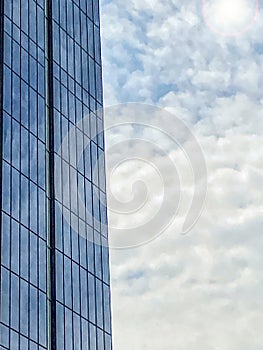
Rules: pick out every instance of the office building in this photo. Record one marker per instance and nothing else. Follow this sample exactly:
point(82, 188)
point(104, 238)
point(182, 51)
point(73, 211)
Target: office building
point(55, 290)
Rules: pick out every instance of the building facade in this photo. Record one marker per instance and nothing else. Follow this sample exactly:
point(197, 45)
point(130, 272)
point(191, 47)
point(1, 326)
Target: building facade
point(55, 284)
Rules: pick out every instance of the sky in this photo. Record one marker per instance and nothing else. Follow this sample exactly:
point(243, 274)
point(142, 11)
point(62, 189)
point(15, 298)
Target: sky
point(201, 62)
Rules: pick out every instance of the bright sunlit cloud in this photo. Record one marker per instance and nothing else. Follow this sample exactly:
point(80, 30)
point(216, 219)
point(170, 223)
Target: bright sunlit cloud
point(230, 17)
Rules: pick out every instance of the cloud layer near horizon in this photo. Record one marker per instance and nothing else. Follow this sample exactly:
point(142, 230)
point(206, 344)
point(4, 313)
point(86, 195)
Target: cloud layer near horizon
point(202, 290)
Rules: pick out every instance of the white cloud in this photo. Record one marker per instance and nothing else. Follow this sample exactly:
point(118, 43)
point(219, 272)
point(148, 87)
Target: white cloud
point(202, 290)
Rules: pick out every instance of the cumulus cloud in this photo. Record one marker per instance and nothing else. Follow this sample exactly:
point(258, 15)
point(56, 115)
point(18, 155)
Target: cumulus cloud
point(202, 290)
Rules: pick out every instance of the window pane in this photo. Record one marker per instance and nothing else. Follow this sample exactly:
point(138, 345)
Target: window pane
point(6, 187)
point(14, 302)
point(91, 293)
point(68, 330)
point(15, 247)
point(5, 293)
point(24, 248)
point(76, 291)
point(24, 297)
point(60, 326)
point(33, 311)
point(5, 253)
point(42, 316)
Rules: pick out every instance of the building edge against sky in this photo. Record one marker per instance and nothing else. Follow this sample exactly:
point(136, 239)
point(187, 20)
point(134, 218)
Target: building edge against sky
point(55, 283)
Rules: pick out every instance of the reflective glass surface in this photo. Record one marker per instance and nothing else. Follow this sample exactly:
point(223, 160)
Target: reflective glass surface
point(83, 293)
point(83, 318)
point(23, 216)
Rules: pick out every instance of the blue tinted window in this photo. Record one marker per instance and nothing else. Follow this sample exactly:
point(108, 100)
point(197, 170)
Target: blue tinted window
point(14, 302)
point(59, 277)
point(24, 71)
point(55, 10)
point(66, 234)
point(15, 247)
point(84, 333)
point(98, 83)
point(84, 38)
point(82, 244)
point(15, 196)
point(41, 118)
point(90, 248)
point(92, 77)
point(32, 19)
point(15, 144)
point(24, 200)
point(42, 265)
point(7, 137)
point(42, 316)
point(41, 164)
point(100, 338)
point(5, 251)
point(91, 293)
point(24, 151)
point(84, 294)
point(106, 305)
point(42, 213)
point(90, 8)
point(24, 16)
point(14, 340)
point(92, 333)
point(33, 259)
point(107, 342)
point(24, 253)
point(33, 111)
point(33, 72)
point(76, 331)
point(70, 18)
point(16, 12)
point(63, 48)
point(16, 98)
point(24, 105)
point(5, 290)
point(6, 187)
point(60, 326)
point(68, 330)
point(16, 57)
point(24, 305)
point(23, 342)
point(41, 80)
point(33, 158)
point(7, 52)
point(99, 304)
point(33, 207)
point(7, 89)
point(75, 239)
point(62, 13)
point(76, 23)
point(98, 257)
point(4, 336)
point(40, 27)
point(33, 313)
point(96, 12)
point(67, 282)
point(76, 286)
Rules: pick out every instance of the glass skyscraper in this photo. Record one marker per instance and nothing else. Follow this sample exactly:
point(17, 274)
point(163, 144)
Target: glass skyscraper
point(55, 289)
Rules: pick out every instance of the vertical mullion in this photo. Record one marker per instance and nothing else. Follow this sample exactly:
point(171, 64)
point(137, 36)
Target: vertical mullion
point(50, 177)
point(1, 120)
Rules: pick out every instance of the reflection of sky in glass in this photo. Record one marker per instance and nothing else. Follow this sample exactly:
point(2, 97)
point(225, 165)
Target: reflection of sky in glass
point(81, 266)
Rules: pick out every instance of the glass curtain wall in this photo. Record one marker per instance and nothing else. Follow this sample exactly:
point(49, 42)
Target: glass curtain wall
point(55, 287)
point(23, 215)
